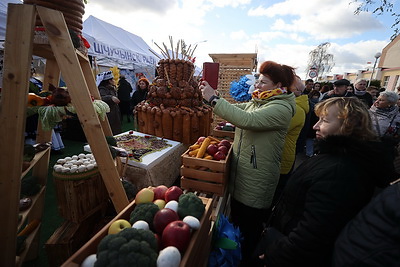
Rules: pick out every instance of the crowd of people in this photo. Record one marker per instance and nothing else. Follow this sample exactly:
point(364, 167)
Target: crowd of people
point(120, 99)
point(339, 207)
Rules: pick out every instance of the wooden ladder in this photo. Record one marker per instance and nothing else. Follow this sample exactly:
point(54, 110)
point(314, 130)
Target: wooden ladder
point(62, 57)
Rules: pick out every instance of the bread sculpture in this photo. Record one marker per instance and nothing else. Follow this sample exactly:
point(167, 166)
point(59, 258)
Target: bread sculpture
point(174, 108)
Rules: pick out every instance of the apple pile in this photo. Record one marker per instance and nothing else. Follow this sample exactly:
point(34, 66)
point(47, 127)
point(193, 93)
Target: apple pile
point(225, 126)
point(173, 220)
point(210, 148)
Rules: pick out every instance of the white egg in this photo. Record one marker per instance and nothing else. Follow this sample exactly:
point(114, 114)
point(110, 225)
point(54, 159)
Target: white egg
point(67, 165)
point(82, 156)
point(169, 257)
point(95, 164)
point(61, 161)
point(78, 162)
point(172, 204)
point(73, 169)
point(90, 166)
point(192, 221)
point(63, 169)
point(58, 168)
point(73, 161)
point(68, 158)
point(89, 156)
point(82, 168)
point(141, 225)
point(89, 261)
point(85, 162)
point(75, 157)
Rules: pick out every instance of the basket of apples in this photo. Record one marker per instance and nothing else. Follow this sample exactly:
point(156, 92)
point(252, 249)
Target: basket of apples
point(161, 227)
point(205, 165)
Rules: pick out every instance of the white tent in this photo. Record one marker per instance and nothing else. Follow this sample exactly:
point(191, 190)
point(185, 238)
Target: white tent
point(112, 45)
point(3, 16)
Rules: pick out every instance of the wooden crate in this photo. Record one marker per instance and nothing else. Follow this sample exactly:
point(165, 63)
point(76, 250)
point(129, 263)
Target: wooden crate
point(80, 195)
point(196, 254)
point(70, 237)
point(224, 134)
point(205, 175)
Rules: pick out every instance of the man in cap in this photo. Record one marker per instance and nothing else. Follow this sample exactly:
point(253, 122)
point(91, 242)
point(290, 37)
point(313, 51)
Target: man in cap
point(339, 89)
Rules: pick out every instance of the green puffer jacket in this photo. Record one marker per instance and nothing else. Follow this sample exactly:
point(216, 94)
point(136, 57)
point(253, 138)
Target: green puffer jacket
point(261, 127)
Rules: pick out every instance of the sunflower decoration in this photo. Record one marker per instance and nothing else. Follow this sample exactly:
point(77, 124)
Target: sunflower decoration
point(115, 72)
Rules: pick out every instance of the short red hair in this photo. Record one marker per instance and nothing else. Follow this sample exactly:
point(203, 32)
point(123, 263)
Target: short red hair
point(278, 73)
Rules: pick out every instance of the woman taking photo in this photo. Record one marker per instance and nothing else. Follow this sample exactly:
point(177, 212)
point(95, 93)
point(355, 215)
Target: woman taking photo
point(261, 127)
point(329, 189)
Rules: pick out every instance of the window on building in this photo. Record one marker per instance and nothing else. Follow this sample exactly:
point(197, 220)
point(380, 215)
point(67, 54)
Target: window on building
point(385, 81)
point(397, 83)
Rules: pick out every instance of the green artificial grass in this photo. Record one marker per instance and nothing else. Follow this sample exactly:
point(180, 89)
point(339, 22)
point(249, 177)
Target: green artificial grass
point(51, 219)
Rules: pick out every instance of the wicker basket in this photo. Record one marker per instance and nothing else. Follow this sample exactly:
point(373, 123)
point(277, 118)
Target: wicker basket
point(80, 195)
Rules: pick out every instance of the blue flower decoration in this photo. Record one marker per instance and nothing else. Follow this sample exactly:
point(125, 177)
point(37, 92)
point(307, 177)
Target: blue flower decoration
point(240, 89)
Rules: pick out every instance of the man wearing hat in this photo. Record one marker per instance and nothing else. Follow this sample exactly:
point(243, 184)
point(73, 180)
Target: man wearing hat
point(339, 89)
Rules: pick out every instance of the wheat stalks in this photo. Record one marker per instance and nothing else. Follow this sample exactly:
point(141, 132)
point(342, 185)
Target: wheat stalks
point(162, 51)
point(177, 49)
point(172, 47)
point(154, 53)
point(166, 49)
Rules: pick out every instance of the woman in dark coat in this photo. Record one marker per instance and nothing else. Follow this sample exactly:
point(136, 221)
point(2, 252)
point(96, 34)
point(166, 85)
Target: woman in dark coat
point(372, 238)
point(108, 94)
point(329, 189)
point(124, 95)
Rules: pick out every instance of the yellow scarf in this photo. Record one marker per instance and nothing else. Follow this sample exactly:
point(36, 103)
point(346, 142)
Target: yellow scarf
point(267, 94)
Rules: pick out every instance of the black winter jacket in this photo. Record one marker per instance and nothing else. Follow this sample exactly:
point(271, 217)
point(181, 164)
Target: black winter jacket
point(322, 195)
point(372, 238)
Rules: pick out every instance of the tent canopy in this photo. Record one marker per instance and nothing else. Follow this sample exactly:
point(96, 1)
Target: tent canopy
point(112, 45)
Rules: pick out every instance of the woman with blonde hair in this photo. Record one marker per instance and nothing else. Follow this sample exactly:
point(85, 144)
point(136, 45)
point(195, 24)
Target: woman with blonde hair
point(329, 189)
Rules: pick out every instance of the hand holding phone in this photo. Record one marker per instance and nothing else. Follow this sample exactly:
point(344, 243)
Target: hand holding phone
point(211, 73)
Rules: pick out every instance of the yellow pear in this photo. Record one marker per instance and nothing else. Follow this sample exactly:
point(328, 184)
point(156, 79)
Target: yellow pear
point(144, 196)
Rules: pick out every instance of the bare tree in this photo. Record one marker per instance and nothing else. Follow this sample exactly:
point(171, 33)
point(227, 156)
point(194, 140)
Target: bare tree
point(380, 7)
point(320, 61)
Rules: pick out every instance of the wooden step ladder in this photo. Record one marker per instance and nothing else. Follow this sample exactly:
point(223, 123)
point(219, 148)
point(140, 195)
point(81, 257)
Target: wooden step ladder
point(61, 56)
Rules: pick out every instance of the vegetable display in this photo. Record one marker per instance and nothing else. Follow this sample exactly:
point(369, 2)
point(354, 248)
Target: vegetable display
point(190, 205)
point(130, 247)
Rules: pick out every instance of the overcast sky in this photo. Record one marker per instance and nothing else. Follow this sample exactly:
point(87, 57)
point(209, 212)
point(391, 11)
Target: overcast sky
point(282, 31)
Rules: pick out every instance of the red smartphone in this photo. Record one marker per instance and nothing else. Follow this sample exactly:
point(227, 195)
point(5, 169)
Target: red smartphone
point(210, 73)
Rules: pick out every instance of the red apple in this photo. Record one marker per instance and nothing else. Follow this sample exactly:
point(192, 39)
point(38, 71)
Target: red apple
point(223, 149)
point(219, 156)
point(225, 142)
point(176, 234)
point(162, 218)
point(212, 149)
point(200, 139)
point(173, 193)
point(159, 192)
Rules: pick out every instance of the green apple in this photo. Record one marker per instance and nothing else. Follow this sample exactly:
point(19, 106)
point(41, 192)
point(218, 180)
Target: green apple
point(144, 196)
point(118, 226)
point(160, 203)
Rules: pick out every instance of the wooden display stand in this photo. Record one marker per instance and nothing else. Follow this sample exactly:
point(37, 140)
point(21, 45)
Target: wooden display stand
point(205, 175)
point(76, 70)
point(196, 254)
point(232, 67)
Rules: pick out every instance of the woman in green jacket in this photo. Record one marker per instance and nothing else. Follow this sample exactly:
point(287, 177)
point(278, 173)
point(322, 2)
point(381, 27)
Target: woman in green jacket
point(261, 127)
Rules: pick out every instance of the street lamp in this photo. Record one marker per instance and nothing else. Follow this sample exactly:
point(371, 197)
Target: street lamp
point(377, 55)
point(200, 42)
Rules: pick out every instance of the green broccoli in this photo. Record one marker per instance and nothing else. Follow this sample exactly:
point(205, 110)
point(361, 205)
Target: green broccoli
point(190, 204)
point(130, 189)
point(130, 247)
point(145, 212)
